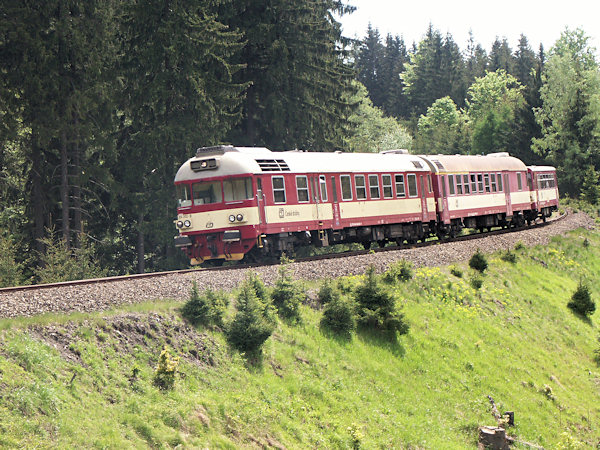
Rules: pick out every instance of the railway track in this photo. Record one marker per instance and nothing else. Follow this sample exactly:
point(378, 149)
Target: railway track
point(345, 254)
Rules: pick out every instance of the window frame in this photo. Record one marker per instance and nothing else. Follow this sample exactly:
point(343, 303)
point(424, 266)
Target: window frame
point(412, 176)
point(519, 182)
point(499, 180)
point(388, 186)
point(473, 177)
point(486, 183)
point(451, 187)
point(247, 184)
point(467, 184)
point(278, 190)
point(372, 187)
point(349, 179)
point(362, 187)
point(400, 183)
point(323, 188)
point(459, 185)
point(302, 189)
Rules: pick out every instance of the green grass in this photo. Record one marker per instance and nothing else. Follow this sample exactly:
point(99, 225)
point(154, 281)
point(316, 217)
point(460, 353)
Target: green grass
point(513, 339)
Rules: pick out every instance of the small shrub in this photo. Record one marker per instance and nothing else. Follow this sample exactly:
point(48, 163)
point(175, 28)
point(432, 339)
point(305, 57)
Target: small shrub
point(581, 300)
point(400, 270)
point(519, 246)
point(456, 271)
point(287, 295)
point(338, 315)
point(476, 282)
point(586, 243)
point(509, 257)
point(478, 262)
point(327, 292)
point(206, 309)
point(166, 370)
point(254, 321)
point(376, 306)
point(261, 291)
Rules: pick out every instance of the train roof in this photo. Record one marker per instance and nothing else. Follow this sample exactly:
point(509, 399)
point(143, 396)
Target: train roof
point(542, 168)
point(228, 160)
point(493, 162)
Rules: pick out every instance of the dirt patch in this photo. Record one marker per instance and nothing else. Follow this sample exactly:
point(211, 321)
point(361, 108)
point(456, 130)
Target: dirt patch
point(129, 333)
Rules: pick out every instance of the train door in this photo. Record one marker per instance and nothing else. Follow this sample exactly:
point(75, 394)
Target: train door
point(509, 210)
point(335, 204)
point(424, 211)
point(443, 200)
point(315, 199)
point(260, 202)
point(533, 189)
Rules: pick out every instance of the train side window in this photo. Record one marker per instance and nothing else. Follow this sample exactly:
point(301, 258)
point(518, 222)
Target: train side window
point(466, 184)
point(302, 188)
point(184, 198)
point(323, 187)
point(374, 186)
point(361, 189)
point(334, 189)
point(519, 182)
point(346, 187)
point(412, 185)
point(278, 190)
point(400, 190)
point(499, 178)
point(207, 192)
point(480, 182)
point(459, 188)
point(493, 181)
point(486, 181)
point(451, 184)
point(238, 189)
point(386, 181)
point(429, 184)
point(474, 184)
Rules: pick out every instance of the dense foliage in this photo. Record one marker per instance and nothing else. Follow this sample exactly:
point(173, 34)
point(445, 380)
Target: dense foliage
point(101, 101)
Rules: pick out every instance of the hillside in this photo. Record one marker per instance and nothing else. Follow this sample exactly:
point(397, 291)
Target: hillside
point(85, 380)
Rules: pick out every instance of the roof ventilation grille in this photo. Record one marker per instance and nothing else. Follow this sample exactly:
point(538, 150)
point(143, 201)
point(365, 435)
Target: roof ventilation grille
point(273, 165)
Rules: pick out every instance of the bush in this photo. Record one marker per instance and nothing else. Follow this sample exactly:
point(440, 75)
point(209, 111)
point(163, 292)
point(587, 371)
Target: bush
point(254, 321)
point(476, 282)
point(327, 292)
point(206, 309)
point(11, 272)
point(509, 256)
point(287, 295)
point(581, 300)
point(400, 270)
point(166, 370)
point(338, 315)
point(376, 306)
point(456, 271)
point(478, 262)
point(519, 246)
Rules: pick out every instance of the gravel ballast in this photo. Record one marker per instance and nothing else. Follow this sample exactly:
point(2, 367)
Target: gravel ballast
point(176, 286)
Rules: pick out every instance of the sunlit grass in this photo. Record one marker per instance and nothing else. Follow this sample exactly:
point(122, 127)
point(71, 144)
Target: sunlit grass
point(513, 339)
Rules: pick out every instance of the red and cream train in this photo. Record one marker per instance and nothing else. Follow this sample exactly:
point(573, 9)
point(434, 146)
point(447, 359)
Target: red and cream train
point(241, 201)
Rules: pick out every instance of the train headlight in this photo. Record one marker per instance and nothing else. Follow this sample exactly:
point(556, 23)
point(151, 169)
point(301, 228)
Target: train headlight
point(179, 224)
point(232, 218)
point(187, 223)
point(240, 217)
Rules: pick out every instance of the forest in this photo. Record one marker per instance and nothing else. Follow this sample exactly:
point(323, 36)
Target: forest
point(102, 100)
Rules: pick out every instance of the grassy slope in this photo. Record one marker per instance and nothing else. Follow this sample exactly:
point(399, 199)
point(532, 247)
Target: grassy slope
point(514, 339)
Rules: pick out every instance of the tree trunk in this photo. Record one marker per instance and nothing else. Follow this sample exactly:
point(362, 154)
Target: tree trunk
point(77, 224)
point(64, 189)
point(38, 198)
point(141, 265)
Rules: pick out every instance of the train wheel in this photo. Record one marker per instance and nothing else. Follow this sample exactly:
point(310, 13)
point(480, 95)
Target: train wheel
point(381, 243)
point(366, 245)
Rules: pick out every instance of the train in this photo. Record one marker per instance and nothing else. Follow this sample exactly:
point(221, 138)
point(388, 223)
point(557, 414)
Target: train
point(252, 203)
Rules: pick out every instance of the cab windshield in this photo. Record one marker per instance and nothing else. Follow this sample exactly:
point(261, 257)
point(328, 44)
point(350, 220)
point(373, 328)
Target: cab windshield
point(207, 192)
point(238, 189)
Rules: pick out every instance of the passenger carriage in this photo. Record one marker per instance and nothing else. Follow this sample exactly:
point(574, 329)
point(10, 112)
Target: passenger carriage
point(544, 190)
point(235, 201)
point(475, 191)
